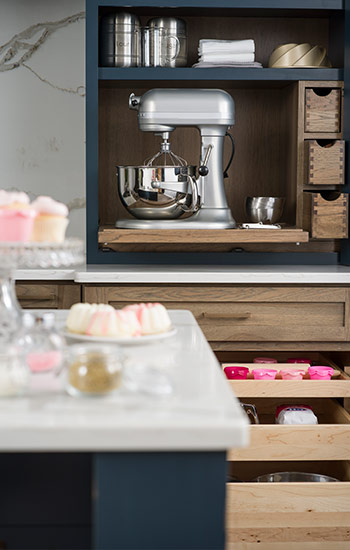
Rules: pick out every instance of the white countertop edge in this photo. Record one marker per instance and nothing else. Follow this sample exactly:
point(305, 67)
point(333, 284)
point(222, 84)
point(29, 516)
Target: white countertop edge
point(167, 274)
point(205, 439)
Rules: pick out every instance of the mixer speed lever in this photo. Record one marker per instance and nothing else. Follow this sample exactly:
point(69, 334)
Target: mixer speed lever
point(203, 170)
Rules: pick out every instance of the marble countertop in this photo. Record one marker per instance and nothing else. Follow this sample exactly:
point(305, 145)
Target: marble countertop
point(115, 274)
point(202, 413)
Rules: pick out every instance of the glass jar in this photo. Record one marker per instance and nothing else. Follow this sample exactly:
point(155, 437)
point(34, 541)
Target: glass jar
point(93, 369)
point(42, 344)
point(14, 372)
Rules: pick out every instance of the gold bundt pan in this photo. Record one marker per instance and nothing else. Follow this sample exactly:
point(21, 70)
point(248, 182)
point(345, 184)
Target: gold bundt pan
point(299, 55)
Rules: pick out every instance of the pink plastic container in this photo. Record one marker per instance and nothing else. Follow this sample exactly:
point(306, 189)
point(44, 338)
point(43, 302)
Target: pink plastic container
point(236, 373)
point(292, 374)
point(299, 360)
point(16, 225)
point(264, 360)
point(319, 372)
point(264, 374)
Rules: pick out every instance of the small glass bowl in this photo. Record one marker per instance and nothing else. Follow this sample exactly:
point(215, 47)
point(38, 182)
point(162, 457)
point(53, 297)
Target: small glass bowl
point(93, 370)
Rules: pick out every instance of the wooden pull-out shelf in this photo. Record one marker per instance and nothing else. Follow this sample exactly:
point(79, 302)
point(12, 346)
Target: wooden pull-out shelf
point(327, 440)
point(288, 516)
point(226, 239)
point(338, 386)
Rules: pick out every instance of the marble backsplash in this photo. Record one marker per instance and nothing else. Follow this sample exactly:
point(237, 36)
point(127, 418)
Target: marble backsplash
point(42, 101)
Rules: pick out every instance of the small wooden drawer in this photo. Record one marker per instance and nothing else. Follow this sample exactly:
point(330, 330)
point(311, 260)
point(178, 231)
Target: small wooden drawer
point(327, 440)
point(323, 110)
point(233, 313)
point(325, 215)
point(43, 295)
point(324, 162)
point(288, 515)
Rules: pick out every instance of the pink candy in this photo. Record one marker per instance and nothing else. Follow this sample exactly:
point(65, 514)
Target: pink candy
point(43, 361)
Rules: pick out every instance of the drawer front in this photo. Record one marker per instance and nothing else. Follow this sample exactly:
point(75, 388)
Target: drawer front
point(323, 112)
point(290, 512)
point(233, 314)
point(327, 440)
point(43, 296)
point(325, 164)
point(326, 215)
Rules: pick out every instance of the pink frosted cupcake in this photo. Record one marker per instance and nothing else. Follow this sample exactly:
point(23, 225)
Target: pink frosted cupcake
point(51, 222)
point(16, 217)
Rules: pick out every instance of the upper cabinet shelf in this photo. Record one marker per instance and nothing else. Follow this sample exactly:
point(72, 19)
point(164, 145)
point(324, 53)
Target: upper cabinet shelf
point(235, 4)
point(217, 74)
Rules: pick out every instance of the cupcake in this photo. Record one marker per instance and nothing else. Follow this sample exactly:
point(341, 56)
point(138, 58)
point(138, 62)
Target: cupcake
point(16, 217)
point(51, 222)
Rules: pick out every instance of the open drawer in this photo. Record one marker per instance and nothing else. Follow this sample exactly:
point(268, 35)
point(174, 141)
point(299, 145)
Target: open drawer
point(327, 440)
point(272, 516)
point(338, 386)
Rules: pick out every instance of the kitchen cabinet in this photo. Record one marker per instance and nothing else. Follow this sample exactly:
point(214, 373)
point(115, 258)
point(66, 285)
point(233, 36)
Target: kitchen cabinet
point(248, 317)
point(43, 295)
point(284, 515)
point(277, 110)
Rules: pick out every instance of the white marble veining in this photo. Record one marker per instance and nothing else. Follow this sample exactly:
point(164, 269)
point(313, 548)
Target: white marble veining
point(202, 414)
point(42, 104)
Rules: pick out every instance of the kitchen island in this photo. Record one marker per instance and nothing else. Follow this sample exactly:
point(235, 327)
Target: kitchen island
point(130, 471)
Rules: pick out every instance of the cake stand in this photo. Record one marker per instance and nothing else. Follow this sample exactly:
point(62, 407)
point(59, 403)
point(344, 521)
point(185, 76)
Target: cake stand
point(14, 256)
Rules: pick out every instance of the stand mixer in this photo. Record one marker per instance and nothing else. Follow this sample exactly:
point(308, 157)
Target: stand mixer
point(159, 195)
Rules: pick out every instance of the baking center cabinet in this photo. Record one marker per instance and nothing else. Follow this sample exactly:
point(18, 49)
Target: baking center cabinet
point(43, 295)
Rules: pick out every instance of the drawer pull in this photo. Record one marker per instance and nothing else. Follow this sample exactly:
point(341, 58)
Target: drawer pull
point(234, 317)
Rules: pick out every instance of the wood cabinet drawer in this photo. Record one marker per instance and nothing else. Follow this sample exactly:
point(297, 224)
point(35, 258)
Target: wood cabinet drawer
point(327, 440)
point(265, 514)
point(325, 215)
point(47, 295)
point(323, 110)
point(325, 162)
point(229, 313)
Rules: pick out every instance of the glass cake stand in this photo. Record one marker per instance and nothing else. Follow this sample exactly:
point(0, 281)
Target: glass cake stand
point(36, 255)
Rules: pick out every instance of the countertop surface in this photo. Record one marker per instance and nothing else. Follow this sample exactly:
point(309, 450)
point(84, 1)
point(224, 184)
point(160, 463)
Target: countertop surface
point(139, 274)
point(201, 414)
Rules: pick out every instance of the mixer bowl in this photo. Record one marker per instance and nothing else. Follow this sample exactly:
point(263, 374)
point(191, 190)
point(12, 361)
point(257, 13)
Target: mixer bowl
point(264, 209)
point(137, 191)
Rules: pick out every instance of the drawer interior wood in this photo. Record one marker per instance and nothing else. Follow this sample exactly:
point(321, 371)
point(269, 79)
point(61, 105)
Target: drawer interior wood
point(328, 440)
point(288, 512)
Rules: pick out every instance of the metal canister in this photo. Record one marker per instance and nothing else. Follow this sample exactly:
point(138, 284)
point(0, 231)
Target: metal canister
point(174, 27)
point(120, 40)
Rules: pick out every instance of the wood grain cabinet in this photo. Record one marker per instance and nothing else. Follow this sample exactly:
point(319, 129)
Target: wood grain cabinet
point(230, 314)
point(42, 295)
point(287, 516)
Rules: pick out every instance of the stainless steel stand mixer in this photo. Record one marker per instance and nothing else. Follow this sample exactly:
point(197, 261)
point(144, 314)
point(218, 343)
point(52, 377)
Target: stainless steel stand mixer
point(159, 195)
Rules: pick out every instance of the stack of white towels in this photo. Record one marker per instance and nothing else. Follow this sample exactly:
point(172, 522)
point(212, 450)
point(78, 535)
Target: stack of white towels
point(226, 53)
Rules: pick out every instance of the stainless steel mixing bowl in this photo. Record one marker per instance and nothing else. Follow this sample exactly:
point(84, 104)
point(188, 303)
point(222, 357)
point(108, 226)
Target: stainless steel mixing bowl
point(264, 209)
point(283, 477)
point(137, 188)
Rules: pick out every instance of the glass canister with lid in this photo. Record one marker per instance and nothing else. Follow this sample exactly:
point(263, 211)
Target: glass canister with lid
point(176, 49)
point(93, 369)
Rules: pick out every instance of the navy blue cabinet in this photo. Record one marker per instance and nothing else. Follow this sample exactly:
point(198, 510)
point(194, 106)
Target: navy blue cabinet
point(263, 105)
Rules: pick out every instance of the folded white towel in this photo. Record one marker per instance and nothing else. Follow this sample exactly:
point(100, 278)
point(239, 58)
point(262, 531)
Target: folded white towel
point(203, 65)
point(232, 46)
point(228, 57)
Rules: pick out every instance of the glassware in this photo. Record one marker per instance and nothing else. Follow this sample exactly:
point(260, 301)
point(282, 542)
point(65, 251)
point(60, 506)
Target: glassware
point(42, 344)
point(93, 370)
point(14, 372)
point(158, 47)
